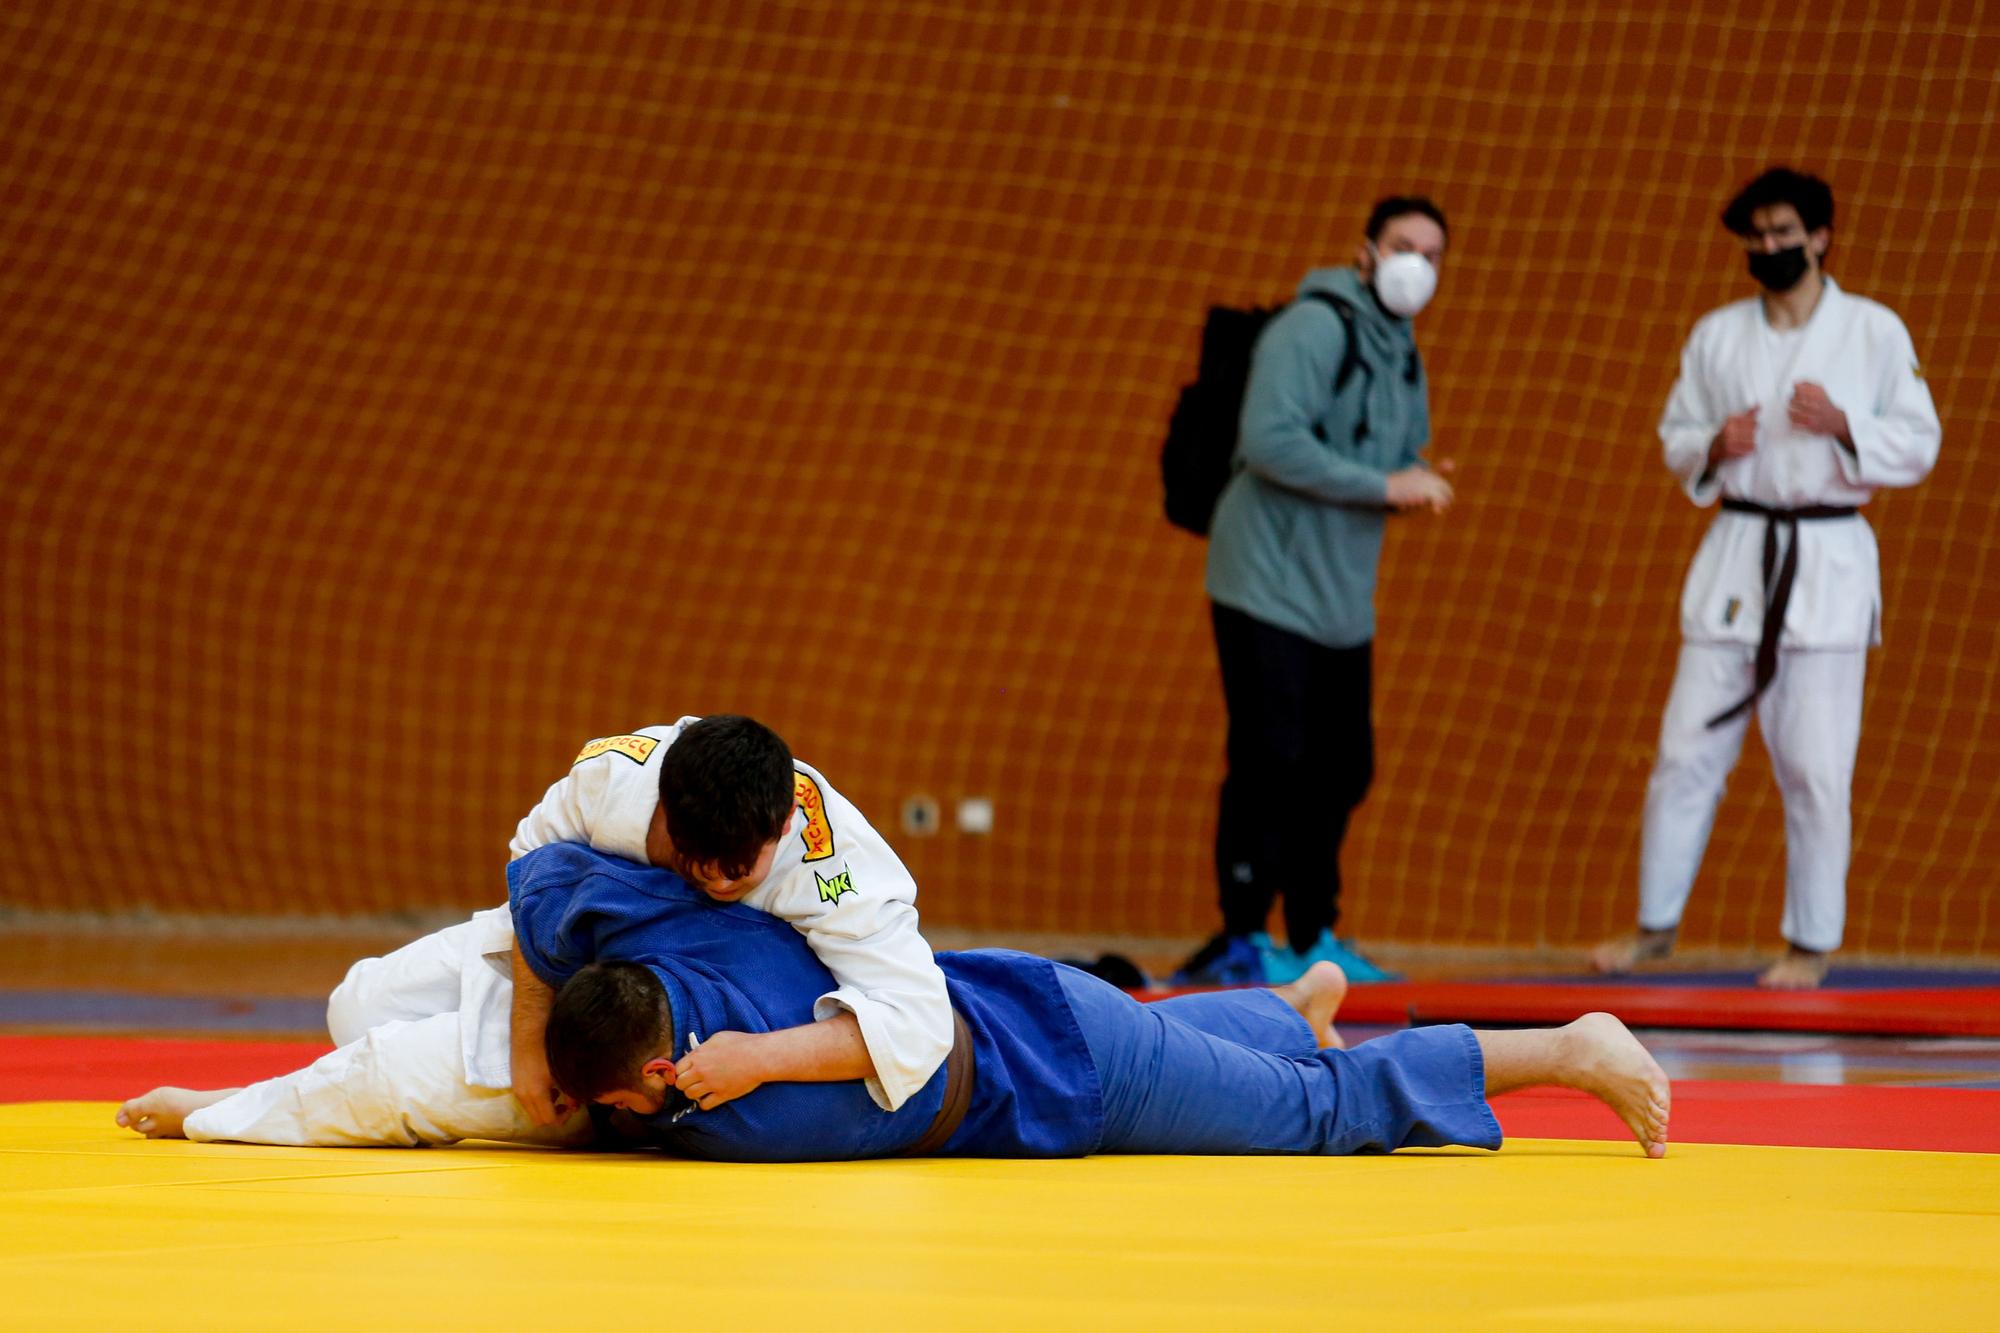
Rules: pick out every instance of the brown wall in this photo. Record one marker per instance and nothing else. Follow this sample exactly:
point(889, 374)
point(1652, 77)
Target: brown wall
point(393, 400)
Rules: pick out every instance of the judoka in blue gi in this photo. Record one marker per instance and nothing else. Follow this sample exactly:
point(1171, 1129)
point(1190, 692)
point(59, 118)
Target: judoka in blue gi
point(1047, 1061)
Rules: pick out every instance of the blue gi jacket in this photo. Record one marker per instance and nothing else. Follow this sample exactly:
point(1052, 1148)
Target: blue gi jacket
point(731, 968)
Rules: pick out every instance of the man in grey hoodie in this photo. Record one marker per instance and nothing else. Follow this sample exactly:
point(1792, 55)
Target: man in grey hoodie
point(1336, 411)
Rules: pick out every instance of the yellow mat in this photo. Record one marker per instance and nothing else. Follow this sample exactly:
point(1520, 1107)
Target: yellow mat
point(100, 1229)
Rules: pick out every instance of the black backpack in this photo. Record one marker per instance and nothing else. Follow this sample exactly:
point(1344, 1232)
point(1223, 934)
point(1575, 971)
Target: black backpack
point(1201, 434)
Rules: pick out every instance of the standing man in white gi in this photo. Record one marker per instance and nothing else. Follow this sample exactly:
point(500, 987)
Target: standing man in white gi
point(1793, 408)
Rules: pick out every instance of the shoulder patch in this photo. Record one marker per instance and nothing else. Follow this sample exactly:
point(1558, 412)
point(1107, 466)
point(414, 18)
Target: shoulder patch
point(818, 833)
point(636, 748)
point(831, 889)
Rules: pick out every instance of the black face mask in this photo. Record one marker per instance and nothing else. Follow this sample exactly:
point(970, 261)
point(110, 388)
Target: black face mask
point(1780, 270)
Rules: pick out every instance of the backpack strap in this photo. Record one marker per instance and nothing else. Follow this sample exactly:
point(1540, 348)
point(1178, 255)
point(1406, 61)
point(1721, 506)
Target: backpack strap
point(1350, 359)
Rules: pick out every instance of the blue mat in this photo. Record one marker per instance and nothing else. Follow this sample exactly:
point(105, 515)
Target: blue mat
point(1838, 978)
point(100, 1010)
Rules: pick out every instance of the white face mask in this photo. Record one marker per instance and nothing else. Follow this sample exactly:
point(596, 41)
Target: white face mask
point(1404, 283)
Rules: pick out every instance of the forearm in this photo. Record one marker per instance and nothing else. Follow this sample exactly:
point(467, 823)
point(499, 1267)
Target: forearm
point(529, 1012)
point(828, 1051)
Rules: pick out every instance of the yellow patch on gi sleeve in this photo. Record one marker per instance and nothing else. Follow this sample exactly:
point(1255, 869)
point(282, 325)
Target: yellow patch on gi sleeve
point(636, 748)
point(818, 833)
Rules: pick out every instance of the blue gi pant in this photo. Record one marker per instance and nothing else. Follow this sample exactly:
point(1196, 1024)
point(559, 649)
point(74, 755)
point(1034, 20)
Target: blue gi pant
point(1233, 1072)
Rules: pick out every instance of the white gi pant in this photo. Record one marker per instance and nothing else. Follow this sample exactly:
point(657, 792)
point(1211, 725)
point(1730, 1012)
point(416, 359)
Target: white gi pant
point(1810, 717)
point(399, 1077)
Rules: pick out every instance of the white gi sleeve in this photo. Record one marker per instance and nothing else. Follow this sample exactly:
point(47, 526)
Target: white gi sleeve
point(398, 1084)
point(1689, 424)
point(1896, 437)
point(856, 905)
point(889, 980)
point(565, 811)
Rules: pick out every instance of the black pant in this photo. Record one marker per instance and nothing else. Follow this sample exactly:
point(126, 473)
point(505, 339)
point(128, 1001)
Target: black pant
point(1301, 757)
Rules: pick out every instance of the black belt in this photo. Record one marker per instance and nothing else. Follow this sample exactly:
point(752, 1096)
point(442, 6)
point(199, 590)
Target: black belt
point(1777, 585)
point(958, 1074)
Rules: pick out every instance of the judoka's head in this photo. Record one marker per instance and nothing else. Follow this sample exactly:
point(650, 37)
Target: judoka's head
point(1785, 220)
point(610, 1038)
point(726, 795)
point(1404, 245)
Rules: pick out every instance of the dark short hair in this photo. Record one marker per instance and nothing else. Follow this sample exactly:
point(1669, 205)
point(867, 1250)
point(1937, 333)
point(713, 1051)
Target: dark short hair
point(726, 784)
point(607, 1021)
point(1400, 206)
point(1811, 196)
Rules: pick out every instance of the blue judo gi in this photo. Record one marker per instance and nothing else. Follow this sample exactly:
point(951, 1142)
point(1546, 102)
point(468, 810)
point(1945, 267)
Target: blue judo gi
point(1063, 1063)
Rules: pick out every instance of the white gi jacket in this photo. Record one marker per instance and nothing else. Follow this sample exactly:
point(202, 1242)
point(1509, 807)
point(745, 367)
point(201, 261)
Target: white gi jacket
point(834, 879)
point(1860, 353)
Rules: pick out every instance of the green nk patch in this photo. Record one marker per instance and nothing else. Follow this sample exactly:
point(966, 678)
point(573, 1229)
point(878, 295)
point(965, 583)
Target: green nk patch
point(831, 889)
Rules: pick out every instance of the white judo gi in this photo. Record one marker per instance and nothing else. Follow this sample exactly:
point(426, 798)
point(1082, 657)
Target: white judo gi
point(835, 879)
point(422, 1058)
point(1810, 714)
point(424, 1034)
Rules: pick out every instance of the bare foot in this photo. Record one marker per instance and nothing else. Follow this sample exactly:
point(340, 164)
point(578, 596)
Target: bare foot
point(1608, 1062)
point(1799, 969)
point(1317, 996)
point(161, 1113)
point(1628, 951)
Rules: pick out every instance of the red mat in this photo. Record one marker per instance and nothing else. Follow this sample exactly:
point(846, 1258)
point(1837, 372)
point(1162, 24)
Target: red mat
point(1777, 1114)
point(90, 1069)
point(1962, 1012)
point(1790, 1115)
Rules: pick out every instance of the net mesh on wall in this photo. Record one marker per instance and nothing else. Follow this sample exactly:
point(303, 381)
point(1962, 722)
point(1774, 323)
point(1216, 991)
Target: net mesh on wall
point(395, 397)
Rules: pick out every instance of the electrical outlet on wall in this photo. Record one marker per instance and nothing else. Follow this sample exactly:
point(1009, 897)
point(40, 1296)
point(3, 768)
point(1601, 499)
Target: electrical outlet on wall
point(920, 815)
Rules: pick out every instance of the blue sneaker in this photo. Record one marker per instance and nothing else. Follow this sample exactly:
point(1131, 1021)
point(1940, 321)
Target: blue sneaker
point(1282, 964)
point(1327, 949)
point(1226, 960)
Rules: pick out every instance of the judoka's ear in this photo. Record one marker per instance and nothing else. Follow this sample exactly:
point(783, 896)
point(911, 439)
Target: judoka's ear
point(660, 1065)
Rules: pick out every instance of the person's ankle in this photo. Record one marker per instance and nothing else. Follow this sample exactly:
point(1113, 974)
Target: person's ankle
point(1656, 944)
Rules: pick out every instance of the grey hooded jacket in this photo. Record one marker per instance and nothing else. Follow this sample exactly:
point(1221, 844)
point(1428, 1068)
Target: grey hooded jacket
point(1297, 534)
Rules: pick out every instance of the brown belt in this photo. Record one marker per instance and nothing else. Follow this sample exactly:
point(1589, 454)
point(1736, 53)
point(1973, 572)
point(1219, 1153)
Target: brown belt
point(958, 1075)
point(1778, 576)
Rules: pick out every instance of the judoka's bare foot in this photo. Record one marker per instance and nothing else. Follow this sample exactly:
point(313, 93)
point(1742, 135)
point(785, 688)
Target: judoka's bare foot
point(161, 1113)
point(1628, 951)
point(1317, 996)
point(1608, 1062)
point(1799, 969)
point(1595, 1054)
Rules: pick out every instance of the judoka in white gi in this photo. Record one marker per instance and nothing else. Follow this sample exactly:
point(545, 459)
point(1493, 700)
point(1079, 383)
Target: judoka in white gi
point(1050, 1061)
point(829, 874)
point(1792, 408)
point(438, 1042)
